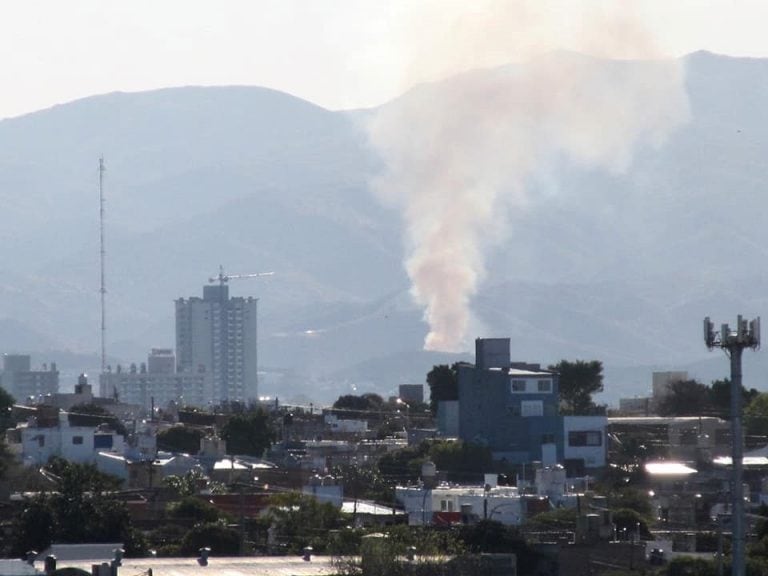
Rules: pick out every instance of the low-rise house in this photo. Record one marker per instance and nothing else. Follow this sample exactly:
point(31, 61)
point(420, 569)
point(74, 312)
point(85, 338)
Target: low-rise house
point(40, 439)
point(444, 503)
point(345, 425)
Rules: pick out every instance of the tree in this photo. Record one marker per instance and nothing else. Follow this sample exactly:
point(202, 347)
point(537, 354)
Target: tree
point(490, 536)
point(720, 398)
point(685, 398)
point(301, 521)
point(364, 482)
point(6, 408)
point(180, 439)
point(192, 510)
point(83, 509)
point(364, 403)
point(579, 380)
point(33, 528)
point(222, 541)
point(188, 484)
point(632, 499)
point(403, 465)
point(461, 461)
point(250, 434)
point(443, 382)
point(756, 416)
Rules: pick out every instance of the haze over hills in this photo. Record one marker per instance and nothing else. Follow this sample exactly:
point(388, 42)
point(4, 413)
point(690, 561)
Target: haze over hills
point(617, 267)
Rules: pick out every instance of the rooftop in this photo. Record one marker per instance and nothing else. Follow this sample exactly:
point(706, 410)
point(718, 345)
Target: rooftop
point(231, 566)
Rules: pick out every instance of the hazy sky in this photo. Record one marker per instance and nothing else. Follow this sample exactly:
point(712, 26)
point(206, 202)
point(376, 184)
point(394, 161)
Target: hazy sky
point(336, 53)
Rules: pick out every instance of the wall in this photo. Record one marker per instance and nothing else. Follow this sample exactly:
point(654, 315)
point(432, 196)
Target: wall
point(593, 456)
point(492, 414)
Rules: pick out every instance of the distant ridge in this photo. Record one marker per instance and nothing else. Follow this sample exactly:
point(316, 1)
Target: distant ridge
point(616, 267)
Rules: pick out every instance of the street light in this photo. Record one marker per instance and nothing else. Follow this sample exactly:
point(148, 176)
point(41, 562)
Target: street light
point(407, 411)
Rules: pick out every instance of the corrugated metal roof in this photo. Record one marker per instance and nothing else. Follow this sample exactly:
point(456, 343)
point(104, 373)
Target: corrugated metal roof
point(521, 372)
point(363, 507)
point(75, 552)
point(668, 469)
point(229, 566)
point(16, 568)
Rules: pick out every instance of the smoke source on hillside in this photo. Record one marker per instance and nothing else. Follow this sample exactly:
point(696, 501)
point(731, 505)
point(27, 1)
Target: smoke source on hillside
point(458, 153)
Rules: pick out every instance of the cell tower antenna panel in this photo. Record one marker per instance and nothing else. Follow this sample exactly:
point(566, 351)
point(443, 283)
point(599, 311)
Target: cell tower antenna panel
point(733, 342)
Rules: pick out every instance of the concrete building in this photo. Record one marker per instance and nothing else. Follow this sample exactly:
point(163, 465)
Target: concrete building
point(40, 439)
point(27, 385)
point(513, 408)
point(411, 393)
point(83, 394)
point(157, 383)
point(447, 504)
point(585, 440)
point(216, 337)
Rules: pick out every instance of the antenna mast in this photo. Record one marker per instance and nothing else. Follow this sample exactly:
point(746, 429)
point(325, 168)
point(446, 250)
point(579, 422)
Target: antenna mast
point(103, 288)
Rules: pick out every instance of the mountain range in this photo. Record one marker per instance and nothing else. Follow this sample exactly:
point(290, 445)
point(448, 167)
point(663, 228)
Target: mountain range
point(622, 268)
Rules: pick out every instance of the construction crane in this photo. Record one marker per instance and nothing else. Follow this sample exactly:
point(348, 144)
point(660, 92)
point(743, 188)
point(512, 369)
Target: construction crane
point(224, 278)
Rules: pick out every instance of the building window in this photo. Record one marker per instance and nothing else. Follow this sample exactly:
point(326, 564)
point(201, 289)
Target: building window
point(77, 440)
point(547, 438)
point(585, 438)
point(102, 441)
point(531, 408)
point(446, 505)
point(545, 385)
point(518, 385)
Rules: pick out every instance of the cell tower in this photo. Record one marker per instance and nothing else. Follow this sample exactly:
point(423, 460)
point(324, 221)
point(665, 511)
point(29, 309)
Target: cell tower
point(733, 342)
point(102, 253)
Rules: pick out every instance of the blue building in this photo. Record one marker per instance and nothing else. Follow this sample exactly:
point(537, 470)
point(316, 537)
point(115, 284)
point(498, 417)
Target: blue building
point(511, 407)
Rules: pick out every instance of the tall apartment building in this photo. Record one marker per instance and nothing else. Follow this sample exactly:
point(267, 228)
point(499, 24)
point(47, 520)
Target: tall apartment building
point(216, 336)
point(25, 384)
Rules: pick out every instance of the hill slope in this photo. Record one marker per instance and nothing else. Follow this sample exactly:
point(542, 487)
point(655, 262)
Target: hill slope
point(620, 268)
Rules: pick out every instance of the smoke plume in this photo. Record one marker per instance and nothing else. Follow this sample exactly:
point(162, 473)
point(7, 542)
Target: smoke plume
point(458, 153)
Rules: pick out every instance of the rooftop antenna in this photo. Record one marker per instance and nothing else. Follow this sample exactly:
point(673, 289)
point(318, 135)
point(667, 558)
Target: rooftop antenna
point(103, 289)
point(733, 342)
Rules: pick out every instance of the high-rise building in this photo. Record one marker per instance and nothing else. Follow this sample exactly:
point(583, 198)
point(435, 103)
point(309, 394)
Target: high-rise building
point(156, 383)
point(216, 336)
point(25, 384)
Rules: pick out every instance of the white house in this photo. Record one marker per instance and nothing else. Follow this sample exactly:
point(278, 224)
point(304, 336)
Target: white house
point(585, 439)
point(448, 504)
point(73, 443)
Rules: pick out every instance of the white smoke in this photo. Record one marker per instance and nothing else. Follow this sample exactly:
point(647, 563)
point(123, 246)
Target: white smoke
point(458, 153)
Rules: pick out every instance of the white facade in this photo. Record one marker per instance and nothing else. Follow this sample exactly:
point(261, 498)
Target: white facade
point(157, 384)
point(585, 439)
point(73, 443)
point(500, 503)
point(216, 336)
point(337, 424)
point(27, 385)
point(146, 389)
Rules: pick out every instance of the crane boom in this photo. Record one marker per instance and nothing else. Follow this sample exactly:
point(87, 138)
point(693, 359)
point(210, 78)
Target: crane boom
point(224, 278)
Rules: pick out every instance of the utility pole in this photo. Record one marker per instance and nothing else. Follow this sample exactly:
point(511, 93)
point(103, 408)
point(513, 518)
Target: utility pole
point(733, 342)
